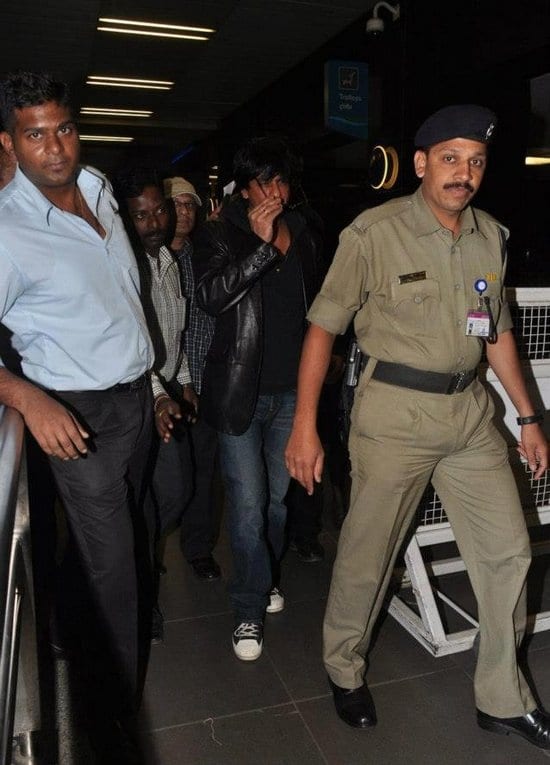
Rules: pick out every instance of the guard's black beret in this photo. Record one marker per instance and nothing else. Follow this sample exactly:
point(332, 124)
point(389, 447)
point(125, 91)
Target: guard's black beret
point(458, 121)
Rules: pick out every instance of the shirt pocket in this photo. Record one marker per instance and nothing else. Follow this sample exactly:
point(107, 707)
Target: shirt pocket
point(415, 307)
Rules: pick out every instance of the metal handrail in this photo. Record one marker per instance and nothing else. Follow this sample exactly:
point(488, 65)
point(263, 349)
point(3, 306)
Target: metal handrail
point(19, 688)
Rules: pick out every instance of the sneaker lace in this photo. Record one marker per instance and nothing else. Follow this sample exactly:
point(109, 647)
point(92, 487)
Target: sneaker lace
point(248, 630)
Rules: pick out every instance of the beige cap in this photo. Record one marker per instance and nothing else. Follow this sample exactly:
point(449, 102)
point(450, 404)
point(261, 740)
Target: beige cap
point(173, 187)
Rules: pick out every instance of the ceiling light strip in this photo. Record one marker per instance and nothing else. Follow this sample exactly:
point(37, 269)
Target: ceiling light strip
point(151, 34)
point(129, 79)
point(107, 138)
point(127, 85)
point(129, 22)
point(115, 112)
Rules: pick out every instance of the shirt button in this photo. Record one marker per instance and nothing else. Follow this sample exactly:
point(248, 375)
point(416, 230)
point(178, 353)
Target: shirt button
point(417, 299)
point(453, 250)
point(459, 323)
point(457, 286)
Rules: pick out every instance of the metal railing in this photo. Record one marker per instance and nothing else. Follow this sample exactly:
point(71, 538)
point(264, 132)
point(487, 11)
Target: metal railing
point(19, 685)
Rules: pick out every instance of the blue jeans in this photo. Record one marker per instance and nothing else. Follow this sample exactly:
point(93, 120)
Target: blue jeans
point(256, 482)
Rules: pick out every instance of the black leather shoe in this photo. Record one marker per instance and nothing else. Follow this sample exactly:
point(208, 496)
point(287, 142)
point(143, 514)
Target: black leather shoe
point(534, 727)
point(355, 707)
point(206, 568)
point(309, 550)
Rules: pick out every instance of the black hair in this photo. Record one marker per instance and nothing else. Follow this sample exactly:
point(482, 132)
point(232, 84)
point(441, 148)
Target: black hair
point(264, 158)
point(21, 89)
point(130, 183)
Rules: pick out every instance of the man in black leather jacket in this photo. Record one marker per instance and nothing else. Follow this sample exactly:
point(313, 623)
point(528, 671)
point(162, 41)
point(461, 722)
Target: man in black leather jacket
point(257, 266)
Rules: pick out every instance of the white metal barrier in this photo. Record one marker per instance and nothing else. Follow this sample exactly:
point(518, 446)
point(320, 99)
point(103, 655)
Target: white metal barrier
point(418, 606)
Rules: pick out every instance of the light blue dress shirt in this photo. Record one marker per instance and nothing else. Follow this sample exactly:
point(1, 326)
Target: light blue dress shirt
point(70, 297)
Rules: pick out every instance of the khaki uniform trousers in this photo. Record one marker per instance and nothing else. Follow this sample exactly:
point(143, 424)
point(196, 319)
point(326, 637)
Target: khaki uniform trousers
point(399, 440)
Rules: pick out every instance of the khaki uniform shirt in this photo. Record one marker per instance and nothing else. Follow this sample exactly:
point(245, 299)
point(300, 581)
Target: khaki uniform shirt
point(409, 285)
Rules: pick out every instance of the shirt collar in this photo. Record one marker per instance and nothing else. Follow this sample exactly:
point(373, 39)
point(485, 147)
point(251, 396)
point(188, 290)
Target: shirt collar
point(165, 258)
point(427, 223)
point(89, 181)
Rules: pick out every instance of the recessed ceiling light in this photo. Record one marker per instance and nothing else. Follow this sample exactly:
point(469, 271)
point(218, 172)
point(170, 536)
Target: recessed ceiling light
point(93, 110)
point(129, 22)
point(145, 33)
point(153, 29)
point(107, 138)
point(129, 82)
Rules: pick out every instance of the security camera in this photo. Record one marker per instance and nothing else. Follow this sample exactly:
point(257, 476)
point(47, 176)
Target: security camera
point(375, 27)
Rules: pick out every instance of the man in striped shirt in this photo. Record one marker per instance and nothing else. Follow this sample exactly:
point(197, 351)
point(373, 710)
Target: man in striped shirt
point(164, 305)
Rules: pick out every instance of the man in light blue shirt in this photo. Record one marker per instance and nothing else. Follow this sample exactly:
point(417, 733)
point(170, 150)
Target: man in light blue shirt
point(69, 293)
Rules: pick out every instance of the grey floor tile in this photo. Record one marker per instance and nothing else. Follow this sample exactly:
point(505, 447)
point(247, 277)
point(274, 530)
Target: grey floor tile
point(194, 674)
point(294, 644)
point(538, 674)
point(308, 581)
point(424, 721)
point(396, 655)
point(274, 736)
point(181, 594)
point(204, 707)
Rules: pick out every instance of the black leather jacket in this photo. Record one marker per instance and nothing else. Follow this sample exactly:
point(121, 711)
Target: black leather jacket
point(229, 261)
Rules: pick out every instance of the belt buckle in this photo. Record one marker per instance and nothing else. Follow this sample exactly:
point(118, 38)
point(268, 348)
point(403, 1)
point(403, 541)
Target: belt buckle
point(455, 386)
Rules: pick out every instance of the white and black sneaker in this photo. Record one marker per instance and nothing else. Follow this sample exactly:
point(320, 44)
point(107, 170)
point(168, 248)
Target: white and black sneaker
point(276, 601)
point(248, 640)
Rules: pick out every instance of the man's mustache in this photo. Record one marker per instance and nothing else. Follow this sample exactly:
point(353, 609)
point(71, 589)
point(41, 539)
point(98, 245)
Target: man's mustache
point(458, 185)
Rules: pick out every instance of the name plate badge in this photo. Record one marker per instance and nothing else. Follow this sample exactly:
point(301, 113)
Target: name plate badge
point(418, 276)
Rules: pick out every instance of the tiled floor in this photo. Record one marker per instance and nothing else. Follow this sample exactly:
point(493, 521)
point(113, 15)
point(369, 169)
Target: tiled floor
point(204, 707)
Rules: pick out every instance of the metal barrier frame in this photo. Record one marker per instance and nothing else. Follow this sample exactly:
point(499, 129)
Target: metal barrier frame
point(19, 684)
point(424, 621)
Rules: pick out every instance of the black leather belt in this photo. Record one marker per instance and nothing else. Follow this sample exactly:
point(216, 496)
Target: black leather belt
point(126, 387)
point(418, 379)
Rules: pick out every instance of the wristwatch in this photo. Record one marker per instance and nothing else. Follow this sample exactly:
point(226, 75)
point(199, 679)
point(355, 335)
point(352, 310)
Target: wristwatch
point(532, 418)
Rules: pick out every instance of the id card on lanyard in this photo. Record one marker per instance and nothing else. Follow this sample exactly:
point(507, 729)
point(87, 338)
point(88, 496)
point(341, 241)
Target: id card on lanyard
point(479, 321)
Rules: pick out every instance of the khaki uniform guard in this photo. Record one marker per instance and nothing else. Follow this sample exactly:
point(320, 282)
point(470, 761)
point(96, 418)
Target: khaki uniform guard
point(422, 278)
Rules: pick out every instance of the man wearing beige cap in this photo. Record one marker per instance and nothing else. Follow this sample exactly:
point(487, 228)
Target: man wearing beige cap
point(197, 534)
point(422, 279)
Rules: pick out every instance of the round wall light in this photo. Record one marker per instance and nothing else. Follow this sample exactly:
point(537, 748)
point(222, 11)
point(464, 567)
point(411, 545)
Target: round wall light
point(383, 167)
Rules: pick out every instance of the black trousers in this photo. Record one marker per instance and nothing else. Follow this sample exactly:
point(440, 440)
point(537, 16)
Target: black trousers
point(102, 495)
point(198, 529)
point(182, 488)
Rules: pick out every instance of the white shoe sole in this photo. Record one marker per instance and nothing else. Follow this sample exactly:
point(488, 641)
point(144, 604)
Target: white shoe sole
point(248, 654)
point(275, 609)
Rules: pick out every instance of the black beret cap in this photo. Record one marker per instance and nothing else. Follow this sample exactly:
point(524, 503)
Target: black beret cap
point(459, 121)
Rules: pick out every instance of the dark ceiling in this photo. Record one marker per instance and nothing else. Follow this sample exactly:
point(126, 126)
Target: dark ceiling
point(262, 71)
point(255, 42)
